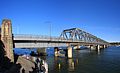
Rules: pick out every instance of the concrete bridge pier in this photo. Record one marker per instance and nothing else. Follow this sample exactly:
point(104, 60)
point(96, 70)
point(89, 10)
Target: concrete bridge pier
point(41, 51)
point(101, 46)
point(69, 52)
point(77, 47)
point(56, 50)
point(89, 46)
point(95, 47)
point(92, 47)
point(105, 46)
point(98, 47)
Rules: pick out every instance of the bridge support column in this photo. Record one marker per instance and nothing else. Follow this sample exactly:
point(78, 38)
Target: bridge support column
point(6, 38)
point(98, 47)
point(104, 46)
point(41, 51)
point(77, 47)
point(101, 46)
point(56, 51)
point(88, 46)
point(92, 47)
point(69, 52)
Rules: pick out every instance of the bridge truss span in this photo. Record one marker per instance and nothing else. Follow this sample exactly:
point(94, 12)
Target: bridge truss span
point(76, 34)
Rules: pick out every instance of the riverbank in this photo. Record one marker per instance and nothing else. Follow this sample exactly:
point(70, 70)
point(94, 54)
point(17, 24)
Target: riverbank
point(27, 66)
point(22, 65)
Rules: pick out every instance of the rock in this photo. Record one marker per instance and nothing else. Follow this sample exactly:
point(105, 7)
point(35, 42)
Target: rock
point(26, 65)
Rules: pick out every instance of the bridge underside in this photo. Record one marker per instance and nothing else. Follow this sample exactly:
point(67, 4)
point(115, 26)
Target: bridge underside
point(37, 45)
point(40, 44)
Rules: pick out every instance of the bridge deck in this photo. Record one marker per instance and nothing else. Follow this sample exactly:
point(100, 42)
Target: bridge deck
point(46, 41)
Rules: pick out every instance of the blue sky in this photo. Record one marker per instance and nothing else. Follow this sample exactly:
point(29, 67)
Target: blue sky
point(98, 17)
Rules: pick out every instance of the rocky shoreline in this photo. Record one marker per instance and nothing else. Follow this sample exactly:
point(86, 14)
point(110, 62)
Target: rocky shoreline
point(22, 65)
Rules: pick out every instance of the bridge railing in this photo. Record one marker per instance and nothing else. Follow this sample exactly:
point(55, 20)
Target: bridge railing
point(32, 36)
point(40, 37)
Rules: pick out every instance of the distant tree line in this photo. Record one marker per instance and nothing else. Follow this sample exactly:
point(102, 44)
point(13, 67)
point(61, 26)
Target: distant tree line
point(115, 43)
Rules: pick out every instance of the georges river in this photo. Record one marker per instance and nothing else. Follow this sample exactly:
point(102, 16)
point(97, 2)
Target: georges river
point(85, 61)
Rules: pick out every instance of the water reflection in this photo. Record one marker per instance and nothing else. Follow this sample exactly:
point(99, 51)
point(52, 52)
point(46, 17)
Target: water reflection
point(98, 52)
point(71, 65)
point(41, 65)
point(77, 61)
point(59, 65)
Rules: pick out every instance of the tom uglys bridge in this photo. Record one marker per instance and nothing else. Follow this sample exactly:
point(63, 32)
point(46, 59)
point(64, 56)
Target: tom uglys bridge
point(69, 38)
point(38, 41)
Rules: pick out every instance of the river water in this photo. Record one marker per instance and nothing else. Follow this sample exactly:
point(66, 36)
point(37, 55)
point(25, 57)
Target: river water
point(86, 61)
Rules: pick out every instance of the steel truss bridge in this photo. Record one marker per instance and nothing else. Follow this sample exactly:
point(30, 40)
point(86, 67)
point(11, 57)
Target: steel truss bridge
point(68, 38)
point(72, 37)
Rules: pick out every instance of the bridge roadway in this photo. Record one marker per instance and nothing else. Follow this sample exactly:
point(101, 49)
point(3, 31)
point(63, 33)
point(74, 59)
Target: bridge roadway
point(39, 41)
